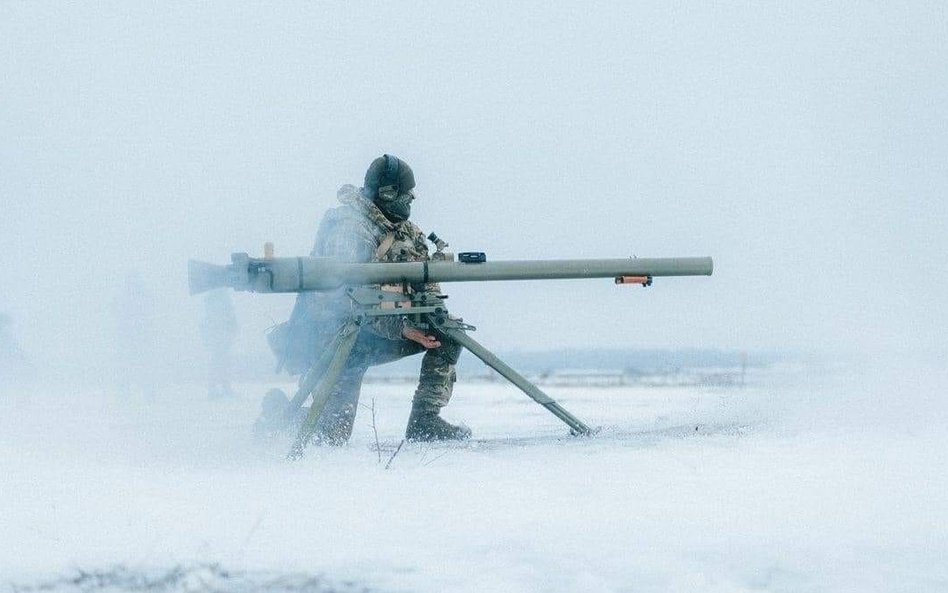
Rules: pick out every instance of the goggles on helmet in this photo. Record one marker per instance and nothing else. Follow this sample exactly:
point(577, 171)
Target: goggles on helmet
point(390, 193)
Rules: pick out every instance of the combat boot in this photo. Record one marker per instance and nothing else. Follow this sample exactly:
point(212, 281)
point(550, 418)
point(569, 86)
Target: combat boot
point(429, 426)
point(272, 419)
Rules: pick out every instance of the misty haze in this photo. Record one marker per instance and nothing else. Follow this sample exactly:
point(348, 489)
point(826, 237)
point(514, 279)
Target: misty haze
point(778, 425)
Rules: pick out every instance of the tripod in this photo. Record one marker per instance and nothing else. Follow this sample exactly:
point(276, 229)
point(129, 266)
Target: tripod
point(427, 312)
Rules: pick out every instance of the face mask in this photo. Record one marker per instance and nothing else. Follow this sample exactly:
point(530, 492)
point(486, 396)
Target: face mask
point(394, 205)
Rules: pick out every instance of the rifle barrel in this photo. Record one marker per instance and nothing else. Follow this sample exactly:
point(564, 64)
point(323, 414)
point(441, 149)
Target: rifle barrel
point(299, 274)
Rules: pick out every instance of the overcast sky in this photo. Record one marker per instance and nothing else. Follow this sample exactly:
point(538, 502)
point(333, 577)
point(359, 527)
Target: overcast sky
point(803, 146)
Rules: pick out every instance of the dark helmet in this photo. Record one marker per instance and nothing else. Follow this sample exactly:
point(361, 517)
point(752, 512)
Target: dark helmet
point(388, 170)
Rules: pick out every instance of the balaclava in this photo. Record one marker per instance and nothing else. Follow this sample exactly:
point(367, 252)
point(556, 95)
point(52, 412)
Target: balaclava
point(388, 183)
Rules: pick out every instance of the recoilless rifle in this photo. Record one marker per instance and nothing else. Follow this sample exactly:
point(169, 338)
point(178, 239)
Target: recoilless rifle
point(364, 283)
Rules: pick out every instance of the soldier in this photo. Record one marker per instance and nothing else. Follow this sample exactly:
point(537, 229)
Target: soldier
point(8, 348)
point(371, 225)
point(136, 338)
point(219, 330)
point(13, 364)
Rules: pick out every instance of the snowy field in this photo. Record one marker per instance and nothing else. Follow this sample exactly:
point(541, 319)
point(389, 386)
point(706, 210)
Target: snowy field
point(829, 482)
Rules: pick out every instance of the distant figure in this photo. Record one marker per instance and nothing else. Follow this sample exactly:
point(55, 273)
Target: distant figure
point(136, 355)
point(8, 349)
point(219, 330)
point(13, 363)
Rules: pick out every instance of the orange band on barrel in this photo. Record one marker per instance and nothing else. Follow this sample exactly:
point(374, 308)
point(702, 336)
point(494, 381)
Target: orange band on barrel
point(643, 280)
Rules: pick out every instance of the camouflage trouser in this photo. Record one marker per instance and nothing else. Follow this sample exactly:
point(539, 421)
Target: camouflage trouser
point(435, 383)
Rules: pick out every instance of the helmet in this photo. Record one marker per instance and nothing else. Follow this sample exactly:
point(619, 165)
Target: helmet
point(388, 170)
point(388, 183)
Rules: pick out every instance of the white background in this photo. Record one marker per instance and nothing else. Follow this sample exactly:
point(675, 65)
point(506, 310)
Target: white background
point(802, 146)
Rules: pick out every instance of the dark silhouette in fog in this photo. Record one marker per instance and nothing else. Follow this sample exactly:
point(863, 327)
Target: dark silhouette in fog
point(219, 331)
point(13, 362)
point(136, 339)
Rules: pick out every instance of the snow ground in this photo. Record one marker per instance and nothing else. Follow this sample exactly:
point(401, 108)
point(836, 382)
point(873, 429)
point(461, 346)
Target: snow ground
point(818, 485)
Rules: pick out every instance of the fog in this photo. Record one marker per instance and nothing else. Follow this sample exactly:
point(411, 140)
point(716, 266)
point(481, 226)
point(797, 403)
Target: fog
point(803, 147)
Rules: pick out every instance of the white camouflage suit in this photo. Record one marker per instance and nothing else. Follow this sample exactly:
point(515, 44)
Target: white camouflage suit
point(353, 232)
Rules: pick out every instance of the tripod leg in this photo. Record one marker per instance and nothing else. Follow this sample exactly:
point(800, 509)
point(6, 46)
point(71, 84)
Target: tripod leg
point(310, 381)
point(491, 360)
point(344, 344)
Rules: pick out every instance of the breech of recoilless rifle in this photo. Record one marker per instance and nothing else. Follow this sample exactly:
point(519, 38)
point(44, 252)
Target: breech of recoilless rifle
point(299, 274)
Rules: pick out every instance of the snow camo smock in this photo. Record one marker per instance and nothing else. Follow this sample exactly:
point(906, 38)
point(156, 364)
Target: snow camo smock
point(353, 232)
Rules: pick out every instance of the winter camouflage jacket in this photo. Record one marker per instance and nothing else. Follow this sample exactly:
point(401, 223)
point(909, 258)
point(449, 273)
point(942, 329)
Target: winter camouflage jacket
point(352, 232)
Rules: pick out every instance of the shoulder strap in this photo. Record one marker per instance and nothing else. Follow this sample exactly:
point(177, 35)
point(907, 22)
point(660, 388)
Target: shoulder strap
point(385, 245)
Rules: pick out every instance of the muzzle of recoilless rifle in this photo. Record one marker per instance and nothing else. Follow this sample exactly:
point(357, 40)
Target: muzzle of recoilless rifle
point(203, 277)
point(298, 274)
